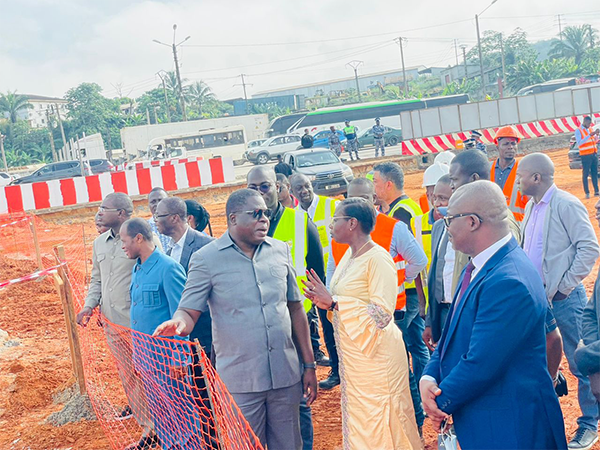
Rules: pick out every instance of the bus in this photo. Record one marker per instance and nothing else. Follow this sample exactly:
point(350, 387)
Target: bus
point(212, 142)
point(362, 115)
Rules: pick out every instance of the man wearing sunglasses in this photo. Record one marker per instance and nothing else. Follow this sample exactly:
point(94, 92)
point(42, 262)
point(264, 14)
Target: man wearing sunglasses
point(259, 325)
point(491, 358)
point(300, 233)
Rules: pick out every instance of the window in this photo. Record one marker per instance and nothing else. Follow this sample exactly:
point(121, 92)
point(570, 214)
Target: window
point(277, 141)
point(3, 175)
point(44, 170)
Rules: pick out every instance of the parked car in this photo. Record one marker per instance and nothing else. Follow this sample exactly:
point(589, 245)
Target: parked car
point(272, 147)
point(392, 136)
point(328, 174)
point(5, 179)
point(255, 143)
point(101, 165)
point(56, 171)
point(322, 138)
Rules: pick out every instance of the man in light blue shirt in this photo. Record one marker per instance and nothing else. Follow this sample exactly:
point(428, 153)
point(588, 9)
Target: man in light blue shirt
point(157, 283)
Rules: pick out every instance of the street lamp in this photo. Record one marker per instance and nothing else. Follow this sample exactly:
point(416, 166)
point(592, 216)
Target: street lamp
point(479, 48)
point(174, 48)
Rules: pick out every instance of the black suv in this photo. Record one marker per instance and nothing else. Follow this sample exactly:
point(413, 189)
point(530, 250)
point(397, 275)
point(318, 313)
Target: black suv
point(56, 171)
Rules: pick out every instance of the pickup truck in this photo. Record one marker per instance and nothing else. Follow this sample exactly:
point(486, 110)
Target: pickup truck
point(328, 174)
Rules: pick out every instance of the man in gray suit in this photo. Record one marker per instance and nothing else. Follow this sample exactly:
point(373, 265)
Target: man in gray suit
point(171, 220)
point(558, 237)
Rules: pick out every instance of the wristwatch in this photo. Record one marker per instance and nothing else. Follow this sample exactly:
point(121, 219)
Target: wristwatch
point(310, 366)
point(333, 305)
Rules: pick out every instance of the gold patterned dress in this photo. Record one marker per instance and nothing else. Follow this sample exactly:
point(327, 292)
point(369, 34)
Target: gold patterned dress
point(377, 410)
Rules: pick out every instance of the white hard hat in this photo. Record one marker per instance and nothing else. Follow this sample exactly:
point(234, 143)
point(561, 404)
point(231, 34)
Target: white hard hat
point(444, 158)
point(433, 173)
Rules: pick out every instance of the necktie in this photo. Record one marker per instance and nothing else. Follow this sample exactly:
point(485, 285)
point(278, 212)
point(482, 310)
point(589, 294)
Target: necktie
point(464, 285)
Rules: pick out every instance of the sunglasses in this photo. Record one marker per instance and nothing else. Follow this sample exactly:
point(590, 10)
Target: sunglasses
point(263, 187)
point(156, 216)
point(105, 209)
point(449, 219)
point(257, 213)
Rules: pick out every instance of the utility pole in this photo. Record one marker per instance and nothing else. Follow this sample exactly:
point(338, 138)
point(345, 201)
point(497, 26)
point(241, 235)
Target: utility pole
point(503, 66)
point(560, 28)
point(456, 50)
point(79, 156)
point(480, 58)
point(354, 65)
point(155, 115)
point(464, 52)
point(400, 41)
point(54, 157)
point(2, 137)
point(166, 97)
point(178, 74)
point(147, 116)
point(244, 84)
point(62, 133)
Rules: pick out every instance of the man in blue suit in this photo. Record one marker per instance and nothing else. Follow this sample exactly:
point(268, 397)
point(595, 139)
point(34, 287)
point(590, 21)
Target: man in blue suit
point(489, 369)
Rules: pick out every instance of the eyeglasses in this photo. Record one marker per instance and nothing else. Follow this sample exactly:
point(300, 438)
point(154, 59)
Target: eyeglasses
point(105, 209)
point(257, 213)
point(263, 187)
point(156, 216)
point(335, 219)
point(449, 219)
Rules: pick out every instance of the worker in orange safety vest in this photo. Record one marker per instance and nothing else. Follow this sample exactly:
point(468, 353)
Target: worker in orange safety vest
point(587, 142)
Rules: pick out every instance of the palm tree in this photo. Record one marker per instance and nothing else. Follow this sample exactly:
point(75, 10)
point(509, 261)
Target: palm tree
point(575, 42)
point(12, 103)
point(199, 93)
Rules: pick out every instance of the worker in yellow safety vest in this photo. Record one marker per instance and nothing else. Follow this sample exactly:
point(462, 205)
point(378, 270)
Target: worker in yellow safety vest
point(587, 142)
point(320, 210)
point(504, 170)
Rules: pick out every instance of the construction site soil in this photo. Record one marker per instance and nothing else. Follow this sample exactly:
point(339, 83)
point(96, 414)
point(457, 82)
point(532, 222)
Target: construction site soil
point(35, 364)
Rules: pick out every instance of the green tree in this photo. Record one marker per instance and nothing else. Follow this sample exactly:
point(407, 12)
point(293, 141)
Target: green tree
point(574, 43)
point(464, 86)
point(12, 103)
point(198, 94)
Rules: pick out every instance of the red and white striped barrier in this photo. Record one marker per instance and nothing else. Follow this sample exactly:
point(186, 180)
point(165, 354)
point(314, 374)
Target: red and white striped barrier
point(93, 188)
point(31, 276)
point(137, 165)
point(530, 130)
point(14, 223)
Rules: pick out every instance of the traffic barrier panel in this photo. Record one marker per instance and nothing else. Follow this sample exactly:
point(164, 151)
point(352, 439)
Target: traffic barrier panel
point(531, 130)
point(137, 165)
point(93, 188)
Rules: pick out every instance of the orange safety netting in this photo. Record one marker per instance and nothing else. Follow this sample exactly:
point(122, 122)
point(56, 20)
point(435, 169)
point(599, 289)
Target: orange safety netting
point(138, 385)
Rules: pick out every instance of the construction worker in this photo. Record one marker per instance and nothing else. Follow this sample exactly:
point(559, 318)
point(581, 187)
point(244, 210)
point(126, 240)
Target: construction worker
point(408, 255)
point(320, 209)
point(378, 140)
point(430, 177)
point(504, 170)
point(388, 179)
point(351, 139)
point(587, 141)
point(421, 225)
point(293, 227)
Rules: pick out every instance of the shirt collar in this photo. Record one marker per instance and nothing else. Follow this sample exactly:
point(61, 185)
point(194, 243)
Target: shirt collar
point(510, 166)
point(313, 204)
point(147, 265)
point(483, 257)
point(548, 195)
point(225, 241)
point(107, 235)
point(181, 240)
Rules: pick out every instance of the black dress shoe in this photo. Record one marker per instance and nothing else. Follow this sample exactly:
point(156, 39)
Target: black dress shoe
point(321, 359)
point(330, 382)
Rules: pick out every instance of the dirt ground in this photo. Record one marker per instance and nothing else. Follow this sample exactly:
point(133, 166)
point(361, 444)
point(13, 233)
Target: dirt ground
point(35, 362)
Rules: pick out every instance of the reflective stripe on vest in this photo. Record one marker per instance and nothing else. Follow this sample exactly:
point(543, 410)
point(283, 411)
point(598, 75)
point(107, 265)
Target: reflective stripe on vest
point(413, 209)
point(323, 214)
point(381, 235)
point(590, 146)
point(292, 229)
point(421, 229)
point(515, 201)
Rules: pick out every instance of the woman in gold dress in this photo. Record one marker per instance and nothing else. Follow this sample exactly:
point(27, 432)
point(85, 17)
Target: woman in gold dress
point(377, 411)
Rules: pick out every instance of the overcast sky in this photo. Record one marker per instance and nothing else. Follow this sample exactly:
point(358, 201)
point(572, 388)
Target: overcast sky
point(48, 46)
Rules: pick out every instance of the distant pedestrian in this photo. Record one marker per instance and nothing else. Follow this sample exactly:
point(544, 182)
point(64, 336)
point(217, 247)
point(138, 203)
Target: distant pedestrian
point(307, 140)
point(587, 142)
point(378, 140)
point(351, 139)
point(335, 145)
point(283, 167)
point(476, 136)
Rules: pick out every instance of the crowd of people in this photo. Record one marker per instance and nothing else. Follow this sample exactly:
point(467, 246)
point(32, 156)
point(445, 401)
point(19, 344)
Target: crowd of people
point(456, 307)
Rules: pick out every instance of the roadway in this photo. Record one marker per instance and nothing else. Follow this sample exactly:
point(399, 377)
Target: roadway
point(364, 153)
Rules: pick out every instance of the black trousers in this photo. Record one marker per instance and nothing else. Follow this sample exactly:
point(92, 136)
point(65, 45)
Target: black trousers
point(590, 167)
point(329, 340)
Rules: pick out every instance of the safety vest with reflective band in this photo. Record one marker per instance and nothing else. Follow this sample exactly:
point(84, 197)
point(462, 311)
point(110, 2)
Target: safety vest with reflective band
point(421, 229)
point(408, 204)
point(424, 203)
point(381, 235)
point(590, 147)
point(292, 229)
point(323, 214)
point(514, 199)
